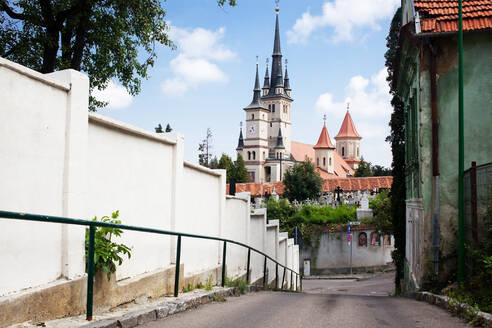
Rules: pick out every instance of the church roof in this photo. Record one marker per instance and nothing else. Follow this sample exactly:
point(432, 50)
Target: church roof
point(347, 130)
point(286, 80)
point(240, 143)
point(347, 184)
point(299, 151)
point(324, 139)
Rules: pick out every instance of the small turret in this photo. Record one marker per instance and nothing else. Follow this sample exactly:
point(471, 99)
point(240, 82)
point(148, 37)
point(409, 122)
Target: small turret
point(266, 81)
point(286, 81)
point(280, 140)
point(256, 102)
point(240, 143)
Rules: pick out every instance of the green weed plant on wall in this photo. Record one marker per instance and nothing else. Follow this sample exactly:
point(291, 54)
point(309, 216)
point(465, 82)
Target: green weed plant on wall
point(107, 252)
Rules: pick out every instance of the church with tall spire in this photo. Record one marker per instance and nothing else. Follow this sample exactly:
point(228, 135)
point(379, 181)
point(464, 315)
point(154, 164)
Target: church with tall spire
point(266, 145)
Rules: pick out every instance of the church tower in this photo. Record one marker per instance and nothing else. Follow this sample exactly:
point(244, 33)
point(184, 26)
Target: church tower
point(266, 147)
point(324, 152)
point(348, 142)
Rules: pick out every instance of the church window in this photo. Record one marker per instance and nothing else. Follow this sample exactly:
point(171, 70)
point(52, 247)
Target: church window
point(324, 161)
point(271, 124)
point(358, 152)
point(254, 155)
point(264, 155)
point(270, 107)
point(252, 116)
point(343, 151)
point(249, 155)
point(273, 108)
point(317, 161)
point(330, 161)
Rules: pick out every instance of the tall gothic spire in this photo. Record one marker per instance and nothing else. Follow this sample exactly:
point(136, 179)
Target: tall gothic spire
point(286, 79)
point(277, 79)
point(256, 102)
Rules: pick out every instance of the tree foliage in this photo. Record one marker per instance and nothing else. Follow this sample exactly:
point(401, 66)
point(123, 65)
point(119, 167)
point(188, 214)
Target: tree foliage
point(236, 171)
point(107, 253)
point(397, 140)
point(302, 182)
point(107, 39)
point(381, 207)
point(241, 171)
point(364, 169)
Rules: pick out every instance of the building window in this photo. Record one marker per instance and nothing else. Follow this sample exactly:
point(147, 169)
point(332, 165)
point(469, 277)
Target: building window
point(358, 152)
point(264, 155)
point(254, 155)
point(252, 116)
point(317, 161)
point(271, 124)
point(330, 161)
point(343, 151)
point(270, 107)
point(324, 161)
point(249, 155)
point(273, 108)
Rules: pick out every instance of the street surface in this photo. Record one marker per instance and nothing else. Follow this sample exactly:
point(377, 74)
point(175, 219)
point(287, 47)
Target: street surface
point(324, 303)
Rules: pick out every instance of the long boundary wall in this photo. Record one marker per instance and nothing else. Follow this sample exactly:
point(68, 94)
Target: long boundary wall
point(59, 159)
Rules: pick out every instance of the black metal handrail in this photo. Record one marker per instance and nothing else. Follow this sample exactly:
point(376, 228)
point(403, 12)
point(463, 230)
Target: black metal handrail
point(92, 229)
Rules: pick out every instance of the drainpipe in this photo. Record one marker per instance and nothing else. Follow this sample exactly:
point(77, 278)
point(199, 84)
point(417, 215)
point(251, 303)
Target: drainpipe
point(435, 156)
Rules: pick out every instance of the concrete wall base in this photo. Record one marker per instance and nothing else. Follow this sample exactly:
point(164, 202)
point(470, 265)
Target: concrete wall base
point(345, 270)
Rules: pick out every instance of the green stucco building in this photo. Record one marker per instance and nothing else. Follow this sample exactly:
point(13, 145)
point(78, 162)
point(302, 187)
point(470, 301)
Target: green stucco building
point(427, 82)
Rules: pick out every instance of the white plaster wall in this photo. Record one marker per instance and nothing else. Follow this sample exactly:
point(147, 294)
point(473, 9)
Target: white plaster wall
point(131, 173)
point(201, 201)
point(272, 247)
point(282, 256)
point(296, 265)
point(290, 254)
point(236, 227)
point(257, 237)
point(35, 112)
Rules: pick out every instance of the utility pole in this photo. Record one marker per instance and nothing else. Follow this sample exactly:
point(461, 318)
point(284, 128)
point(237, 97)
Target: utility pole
point(461, 155)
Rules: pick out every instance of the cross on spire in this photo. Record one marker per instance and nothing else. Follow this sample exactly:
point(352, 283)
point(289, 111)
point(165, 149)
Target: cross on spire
point(241, 124)
point(348, 106)
point(286, 62)
point(256, 60)
point(324, 119)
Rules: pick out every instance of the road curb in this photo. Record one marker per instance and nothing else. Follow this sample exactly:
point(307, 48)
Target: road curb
point(482, 319)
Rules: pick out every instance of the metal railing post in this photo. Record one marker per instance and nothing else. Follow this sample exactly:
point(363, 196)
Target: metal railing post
point(247, 267)
point(90, 272)
point(224, 263)
point(276, 275)
point(300, 279)
point(283, 279)
point(178, 259)
point(291, 279)
point(264, 273)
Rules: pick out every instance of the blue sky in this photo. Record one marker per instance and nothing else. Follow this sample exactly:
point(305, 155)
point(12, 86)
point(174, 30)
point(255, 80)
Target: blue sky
point(335, 51)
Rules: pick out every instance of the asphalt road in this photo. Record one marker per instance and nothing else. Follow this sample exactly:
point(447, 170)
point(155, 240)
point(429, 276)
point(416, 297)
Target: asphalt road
point(324, 303)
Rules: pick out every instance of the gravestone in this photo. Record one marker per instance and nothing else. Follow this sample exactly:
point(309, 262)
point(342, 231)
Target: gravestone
point(364, 211)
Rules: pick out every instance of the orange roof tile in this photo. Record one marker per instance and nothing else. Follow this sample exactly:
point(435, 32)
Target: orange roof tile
point(301, 150)
point(347, 130)
point(324, 139)
point(347, 184)
point(442, 15)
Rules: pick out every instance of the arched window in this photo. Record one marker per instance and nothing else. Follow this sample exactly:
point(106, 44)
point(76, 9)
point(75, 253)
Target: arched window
point(317, 161)
point(324, 161)
point(264, 155)
point(358, 152)
point(252, 116)
point(343, 151)
point(273, 108)
point(254, 155)
point(249, 155)
point(330, 161)
point(270, 107)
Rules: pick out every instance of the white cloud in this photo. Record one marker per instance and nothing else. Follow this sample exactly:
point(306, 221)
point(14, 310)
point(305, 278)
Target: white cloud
point(370, 109)
point(115, 95)
point(200, 50)
point(343, 16)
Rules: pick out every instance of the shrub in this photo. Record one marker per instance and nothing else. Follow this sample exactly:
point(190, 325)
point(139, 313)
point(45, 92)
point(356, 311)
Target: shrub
point(107, 252)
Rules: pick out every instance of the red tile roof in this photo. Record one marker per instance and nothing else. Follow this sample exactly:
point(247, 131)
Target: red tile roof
point(347, 130)
point(442, 15)
point(301, 150)
point(324, 140)
point(347, 184)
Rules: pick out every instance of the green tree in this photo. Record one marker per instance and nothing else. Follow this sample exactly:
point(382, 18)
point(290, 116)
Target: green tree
point(302, 182)
point(381, 171)
point(226, 163)
point(364, 169)
point(168, 128)
point(397, 140)
point(110, 39)
point(158, 129)
point(381, 207)
point(241, 173)
point(214, 163)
